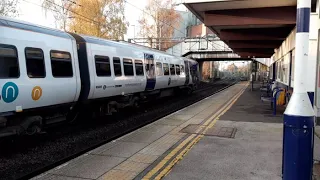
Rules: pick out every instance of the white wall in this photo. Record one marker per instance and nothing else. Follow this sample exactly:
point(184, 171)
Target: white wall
point(282, 56)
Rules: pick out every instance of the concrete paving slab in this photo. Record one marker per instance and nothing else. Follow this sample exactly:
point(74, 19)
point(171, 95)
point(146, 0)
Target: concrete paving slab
point(240, 158)
point(143, 158)
point(183, 117)
point(122, 149)
point(56, 177)
point(164, 128)
point(172, 122)
point(162, 145)
point(104, 147)
point(143, 137)
point(132, 166)
point(89, 166)
point(118, 175)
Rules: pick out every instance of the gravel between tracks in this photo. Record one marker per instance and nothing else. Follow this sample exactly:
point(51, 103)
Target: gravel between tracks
point(28, 156)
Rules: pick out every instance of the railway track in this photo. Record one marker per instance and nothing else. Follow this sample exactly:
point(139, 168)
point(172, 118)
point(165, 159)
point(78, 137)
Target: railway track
point(24, 158)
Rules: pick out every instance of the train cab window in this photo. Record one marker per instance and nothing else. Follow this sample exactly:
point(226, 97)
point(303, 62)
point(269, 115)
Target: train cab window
point(9, 66)
point(139, 67)
point(102, 66)
point(172, 71)
point(159, 69)
point(178, 69)
point(61, 64)
point(117, 66)
point(182, 69)
point(166, 69)
point(35, 63)
point(128, 67)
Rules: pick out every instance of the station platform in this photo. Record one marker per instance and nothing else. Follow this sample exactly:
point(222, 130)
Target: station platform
point(229, 135)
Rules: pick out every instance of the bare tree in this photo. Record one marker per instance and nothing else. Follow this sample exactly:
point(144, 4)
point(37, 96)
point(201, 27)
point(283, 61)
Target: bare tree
point(8, 8)
point(159, 20)
point(60, 10)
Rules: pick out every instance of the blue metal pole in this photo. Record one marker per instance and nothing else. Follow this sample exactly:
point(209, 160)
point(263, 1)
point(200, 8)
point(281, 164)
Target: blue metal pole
point(299, 116)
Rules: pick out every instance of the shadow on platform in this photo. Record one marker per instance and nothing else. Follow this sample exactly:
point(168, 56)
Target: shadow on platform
point(249, 108)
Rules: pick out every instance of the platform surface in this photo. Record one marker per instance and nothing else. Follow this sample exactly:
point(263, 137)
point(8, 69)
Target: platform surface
point(230, 135)
point(130, 156)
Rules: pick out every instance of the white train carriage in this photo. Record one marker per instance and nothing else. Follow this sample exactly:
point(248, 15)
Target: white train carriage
point(122, 74)
point(38, 70)
point(47, 75)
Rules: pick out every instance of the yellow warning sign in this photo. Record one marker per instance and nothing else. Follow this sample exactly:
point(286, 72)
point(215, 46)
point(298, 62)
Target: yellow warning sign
point(36, 93)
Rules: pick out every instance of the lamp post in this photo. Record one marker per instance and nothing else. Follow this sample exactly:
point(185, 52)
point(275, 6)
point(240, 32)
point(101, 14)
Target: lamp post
point(299, 117)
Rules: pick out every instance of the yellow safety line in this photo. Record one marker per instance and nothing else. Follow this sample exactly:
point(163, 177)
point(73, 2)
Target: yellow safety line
point(166, 170)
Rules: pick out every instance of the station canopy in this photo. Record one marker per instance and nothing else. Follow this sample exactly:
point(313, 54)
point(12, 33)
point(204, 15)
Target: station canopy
point(251, 28)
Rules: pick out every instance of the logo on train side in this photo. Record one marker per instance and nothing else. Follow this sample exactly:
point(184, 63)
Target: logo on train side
point(36, 93)
point(10, 92)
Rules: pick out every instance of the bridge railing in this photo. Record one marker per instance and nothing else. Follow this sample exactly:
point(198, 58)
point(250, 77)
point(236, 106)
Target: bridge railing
point(199, 44)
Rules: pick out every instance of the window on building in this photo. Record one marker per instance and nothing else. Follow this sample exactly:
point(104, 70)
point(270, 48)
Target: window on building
point(159, 69)
point(9, 66)
point(61, 64)
point(172, 71)
point(102, 66)
point(35, 63)
point(117, 66)
point(139, 67)
point(128, 67)
point(177, 69)
point(166, 69)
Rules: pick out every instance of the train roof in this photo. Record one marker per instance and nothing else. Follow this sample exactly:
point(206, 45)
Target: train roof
point(18, 24)
point(13, 23)
point(101, 41)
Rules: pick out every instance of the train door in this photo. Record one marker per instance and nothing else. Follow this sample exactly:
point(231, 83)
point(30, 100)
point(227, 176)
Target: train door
point(187, 71)
point(103, 80)
point(194, 72)
point(162, 80)
point(150, 70)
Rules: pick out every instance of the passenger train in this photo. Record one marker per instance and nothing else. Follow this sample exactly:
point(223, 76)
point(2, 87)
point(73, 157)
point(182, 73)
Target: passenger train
point(49, 76)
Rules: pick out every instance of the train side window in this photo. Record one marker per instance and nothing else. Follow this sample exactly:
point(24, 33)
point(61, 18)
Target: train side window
point(182, 69)
point(35, 62)
point(128, 67)
point(159, 69)
point(178, 69)
point(61, 64)
point(102, 66)
point(117, 66)
point(172, 71)
point(139, 67)
point(166, 69)
point(9, 66)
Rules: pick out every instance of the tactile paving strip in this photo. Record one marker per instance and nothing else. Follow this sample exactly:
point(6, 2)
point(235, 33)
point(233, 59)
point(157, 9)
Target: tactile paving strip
point(226, 132)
